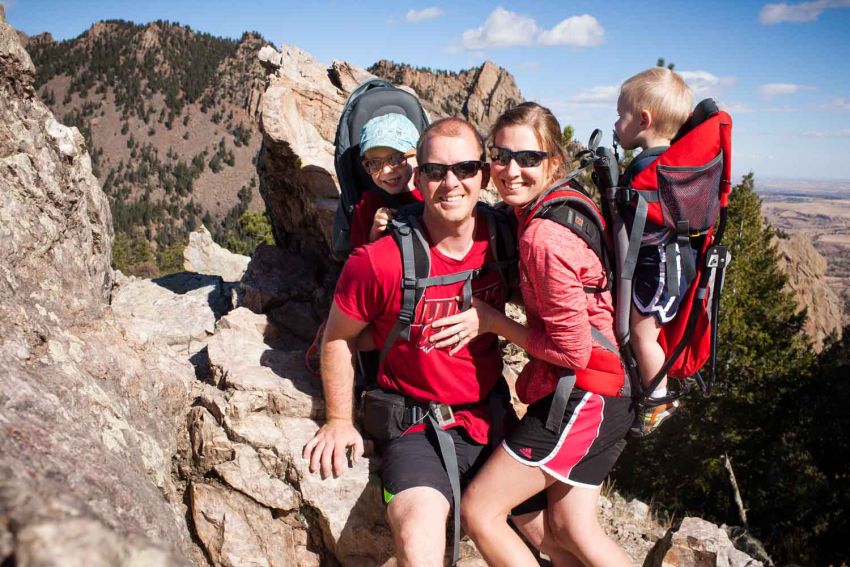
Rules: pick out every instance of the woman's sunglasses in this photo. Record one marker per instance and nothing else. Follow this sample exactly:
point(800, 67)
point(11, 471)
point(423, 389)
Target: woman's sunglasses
point(524, 158)
point(462, 170)
point(375, 165)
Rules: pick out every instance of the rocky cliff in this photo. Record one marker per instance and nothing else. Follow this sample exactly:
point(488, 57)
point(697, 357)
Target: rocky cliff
point(87, 421)
point(806, 270)
point(480, 94)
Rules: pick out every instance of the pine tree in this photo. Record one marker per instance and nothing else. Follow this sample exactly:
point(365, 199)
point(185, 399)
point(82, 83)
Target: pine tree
point(823, 410)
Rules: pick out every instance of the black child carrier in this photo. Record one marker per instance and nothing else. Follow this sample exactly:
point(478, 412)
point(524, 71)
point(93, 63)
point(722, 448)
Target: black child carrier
point(685, 189)
point(375, 97)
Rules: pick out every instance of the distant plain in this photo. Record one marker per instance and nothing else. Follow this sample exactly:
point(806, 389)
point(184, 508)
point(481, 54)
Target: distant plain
point(821, 210)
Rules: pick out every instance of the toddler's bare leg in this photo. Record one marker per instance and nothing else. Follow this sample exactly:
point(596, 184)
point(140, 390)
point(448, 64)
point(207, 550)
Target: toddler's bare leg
point(644, 339)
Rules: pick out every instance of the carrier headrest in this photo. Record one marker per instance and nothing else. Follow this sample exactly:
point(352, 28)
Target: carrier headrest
point(701, 113)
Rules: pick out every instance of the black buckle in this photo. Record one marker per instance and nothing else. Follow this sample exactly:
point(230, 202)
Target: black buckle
point(414, 414)
point(406, 317)
point(625, 195)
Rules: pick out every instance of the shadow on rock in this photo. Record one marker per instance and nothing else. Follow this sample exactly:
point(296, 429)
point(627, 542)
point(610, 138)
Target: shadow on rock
point(218, 292)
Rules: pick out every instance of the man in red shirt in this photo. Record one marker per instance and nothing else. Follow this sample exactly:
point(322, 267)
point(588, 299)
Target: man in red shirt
point(417, 489)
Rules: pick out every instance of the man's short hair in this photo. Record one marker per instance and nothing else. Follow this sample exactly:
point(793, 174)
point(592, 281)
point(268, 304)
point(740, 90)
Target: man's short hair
point(452, 127)
point(664, 94)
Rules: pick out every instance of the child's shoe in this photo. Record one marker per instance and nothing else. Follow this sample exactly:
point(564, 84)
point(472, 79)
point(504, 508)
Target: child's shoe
point(649, 419)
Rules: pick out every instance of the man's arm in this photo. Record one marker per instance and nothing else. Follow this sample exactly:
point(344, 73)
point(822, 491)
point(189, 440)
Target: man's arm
point(327, 449)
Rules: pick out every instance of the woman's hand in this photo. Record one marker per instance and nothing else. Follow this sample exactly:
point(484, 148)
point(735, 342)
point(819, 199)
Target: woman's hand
point(458, 330)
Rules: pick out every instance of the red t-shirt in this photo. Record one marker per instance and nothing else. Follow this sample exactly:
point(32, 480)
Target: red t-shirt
point(364, 213)
point(369, 290)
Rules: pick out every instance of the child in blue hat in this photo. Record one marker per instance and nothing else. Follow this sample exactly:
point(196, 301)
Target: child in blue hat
point(388, 152)
point(388, 149)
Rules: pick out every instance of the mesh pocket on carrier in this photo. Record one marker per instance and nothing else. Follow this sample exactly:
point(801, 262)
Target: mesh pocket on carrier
point(691, 194)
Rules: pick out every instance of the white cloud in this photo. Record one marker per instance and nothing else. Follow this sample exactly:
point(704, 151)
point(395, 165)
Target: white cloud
point(837, 103)
point(502, 29)
point(845, 133)
point(798, 13)
point(770, 90)
point(577, 31)
point(597, 96)
point(424, 14)
point(705, 84)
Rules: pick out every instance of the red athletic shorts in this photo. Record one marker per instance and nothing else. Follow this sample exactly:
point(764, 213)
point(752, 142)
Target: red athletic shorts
point(591, 439)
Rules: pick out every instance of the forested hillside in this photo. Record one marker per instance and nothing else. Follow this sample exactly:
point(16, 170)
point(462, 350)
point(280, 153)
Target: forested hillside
point(169, 117)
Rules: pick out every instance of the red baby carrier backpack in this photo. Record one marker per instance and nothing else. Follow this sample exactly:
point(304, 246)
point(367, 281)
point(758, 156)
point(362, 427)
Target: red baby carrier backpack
point(685, 189)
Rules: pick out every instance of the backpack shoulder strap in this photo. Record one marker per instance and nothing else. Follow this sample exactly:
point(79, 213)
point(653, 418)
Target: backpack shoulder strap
point(416, 266)
point(574, 210)
point(501, 230)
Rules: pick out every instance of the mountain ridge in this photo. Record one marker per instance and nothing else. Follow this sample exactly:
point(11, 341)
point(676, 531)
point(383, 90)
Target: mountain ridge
point(170, 116)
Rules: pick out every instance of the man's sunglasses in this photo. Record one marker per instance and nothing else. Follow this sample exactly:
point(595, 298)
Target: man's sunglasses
point(524, 158)
point(462, 170)
point(376, 165)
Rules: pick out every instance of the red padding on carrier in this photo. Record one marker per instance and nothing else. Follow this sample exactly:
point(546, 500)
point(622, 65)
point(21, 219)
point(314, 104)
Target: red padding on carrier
point(696, 148)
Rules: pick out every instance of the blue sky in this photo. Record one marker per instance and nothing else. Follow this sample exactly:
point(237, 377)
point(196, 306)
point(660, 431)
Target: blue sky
point(781, 69)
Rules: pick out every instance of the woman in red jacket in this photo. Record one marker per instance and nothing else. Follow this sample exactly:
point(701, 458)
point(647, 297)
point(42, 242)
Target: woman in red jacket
point(563, 285)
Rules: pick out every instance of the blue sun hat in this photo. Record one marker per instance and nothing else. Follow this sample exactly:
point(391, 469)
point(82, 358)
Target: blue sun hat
point(394, 131)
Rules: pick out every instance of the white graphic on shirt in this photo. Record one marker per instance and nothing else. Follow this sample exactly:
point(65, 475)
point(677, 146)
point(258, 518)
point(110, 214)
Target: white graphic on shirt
point(429, 310)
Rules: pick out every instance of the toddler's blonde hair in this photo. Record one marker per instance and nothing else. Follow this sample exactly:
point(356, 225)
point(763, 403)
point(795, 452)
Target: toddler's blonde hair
point(664, 94)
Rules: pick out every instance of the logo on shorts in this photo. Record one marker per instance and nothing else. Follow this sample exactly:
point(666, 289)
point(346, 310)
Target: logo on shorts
point(525, 452)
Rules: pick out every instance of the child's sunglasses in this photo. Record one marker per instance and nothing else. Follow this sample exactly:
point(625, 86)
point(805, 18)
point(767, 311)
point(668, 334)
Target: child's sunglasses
point(524, 158)
point(462, 170)
point(375, 165)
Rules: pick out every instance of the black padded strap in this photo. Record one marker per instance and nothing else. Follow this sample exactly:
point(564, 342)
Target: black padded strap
point(502, 247)
point(560, 399)
point(408, 279)
point(447, 450)
point(467, 294)
point(717, 259)
point(683, 237)
point(671, 267)
point(587, 228)
point(492, 232)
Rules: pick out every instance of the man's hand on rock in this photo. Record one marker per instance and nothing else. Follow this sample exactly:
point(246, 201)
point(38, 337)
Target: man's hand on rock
point(328, 449)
